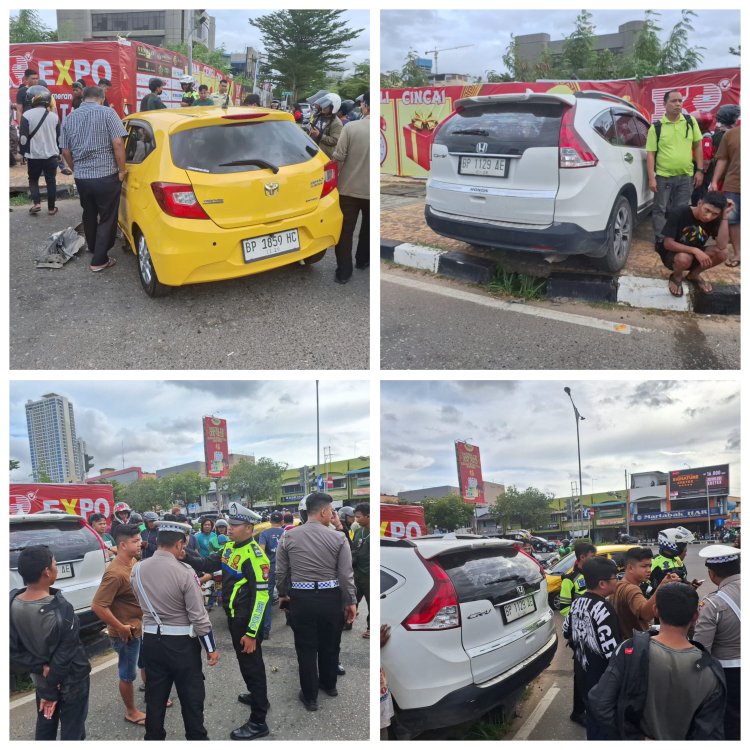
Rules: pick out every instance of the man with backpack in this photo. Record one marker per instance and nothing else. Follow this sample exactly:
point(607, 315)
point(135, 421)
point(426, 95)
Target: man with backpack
point(674, 160)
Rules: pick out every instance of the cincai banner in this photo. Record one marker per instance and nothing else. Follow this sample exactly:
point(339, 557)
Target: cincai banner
point(76, 499)
point(128, 65)
point(469, 472)
point(409, 117)
point(711, 480)
point(217, 446)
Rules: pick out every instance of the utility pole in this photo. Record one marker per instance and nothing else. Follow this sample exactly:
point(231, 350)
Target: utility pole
point(627, 505)
point(317, 428)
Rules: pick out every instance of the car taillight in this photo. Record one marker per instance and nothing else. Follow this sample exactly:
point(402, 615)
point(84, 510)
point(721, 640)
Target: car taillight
point(439, 609)
point(330, 178)
point(253, 116)
point(574, 153)
point(178, 200)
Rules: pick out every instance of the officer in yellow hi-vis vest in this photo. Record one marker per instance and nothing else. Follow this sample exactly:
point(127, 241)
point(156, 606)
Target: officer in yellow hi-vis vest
point(245, 569)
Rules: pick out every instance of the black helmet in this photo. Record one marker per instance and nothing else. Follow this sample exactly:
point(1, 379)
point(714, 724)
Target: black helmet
point(727, 115)
point(135, 518)
point(38, 95)
point(347, 106)
point(149, 515)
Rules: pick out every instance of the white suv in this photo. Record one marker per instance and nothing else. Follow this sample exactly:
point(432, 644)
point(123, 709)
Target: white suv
point(78, 551)
point(470, 624)
point(553, 174)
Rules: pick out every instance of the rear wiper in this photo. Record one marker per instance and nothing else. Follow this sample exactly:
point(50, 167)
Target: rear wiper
point(501, 580)
point(252, 163)
point(471, 131)
point(310, 150)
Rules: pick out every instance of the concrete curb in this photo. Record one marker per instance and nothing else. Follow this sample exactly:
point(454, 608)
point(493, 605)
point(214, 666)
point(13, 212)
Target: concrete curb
point(634, 291)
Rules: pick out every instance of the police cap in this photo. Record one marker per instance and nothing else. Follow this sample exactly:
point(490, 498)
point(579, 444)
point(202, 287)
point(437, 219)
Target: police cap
point(716, 554)
point(180, 528)
point(239, 514)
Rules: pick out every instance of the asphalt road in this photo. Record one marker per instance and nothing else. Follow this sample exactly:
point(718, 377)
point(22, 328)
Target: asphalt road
point(552, 691)
point(292, 318)
point(429, 323)
point(345, 717)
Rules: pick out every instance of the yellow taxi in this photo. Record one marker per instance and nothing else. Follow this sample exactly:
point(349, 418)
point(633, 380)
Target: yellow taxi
point(554, 575)
point(212, 194)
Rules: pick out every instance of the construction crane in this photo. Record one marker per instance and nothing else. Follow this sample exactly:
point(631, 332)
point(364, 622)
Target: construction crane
point(434, 52)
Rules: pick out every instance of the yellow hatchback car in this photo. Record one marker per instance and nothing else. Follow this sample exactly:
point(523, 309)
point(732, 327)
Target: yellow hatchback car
point(212, 194)
point(554, 576)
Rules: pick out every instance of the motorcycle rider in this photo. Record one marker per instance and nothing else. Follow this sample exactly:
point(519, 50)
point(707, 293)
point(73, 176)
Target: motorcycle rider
point(189, 94)
point(672, 551)
point(148, 535)
point(326, 129)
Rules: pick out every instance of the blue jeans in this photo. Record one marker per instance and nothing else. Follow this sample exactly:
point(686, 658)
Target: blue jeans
point(127, 657)
point(269, 606)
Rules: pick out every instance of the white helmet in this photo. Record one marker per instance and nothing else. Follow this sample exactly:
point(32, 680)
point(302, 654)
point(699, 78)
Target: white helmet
point(670, 539)
point(330, 100)
point(186, 79)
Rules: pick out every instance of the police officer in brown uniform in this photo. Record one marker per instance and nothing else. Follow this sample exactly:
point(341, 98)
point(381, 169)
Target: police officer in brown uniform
point(314, 577)
point(718, 626)
point(175, 626)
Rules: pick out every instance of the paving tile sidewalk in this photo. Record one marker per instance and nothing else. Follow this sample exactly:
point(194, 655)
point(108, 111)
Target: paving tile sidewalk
point(402, 219)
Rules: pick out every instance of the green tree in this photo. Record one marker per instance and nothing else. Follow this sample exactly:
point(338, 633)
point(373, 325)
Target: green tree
point(412, 76)
point(578, 48)
point(118, 488)
point(301, 46)
point(14, 464)
point(525, 509)
point(736, 50)
point(28, 26)
point(677, 55)
point(356, 84)
point(258, 482)
point(186, 487)
point(518, 68)
point(449, 512)
point(146, 494)
point(43, 476)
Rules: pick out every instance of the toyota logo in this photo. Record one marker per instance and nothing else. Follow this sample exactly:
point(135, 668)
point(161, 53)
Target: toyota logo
point(481, 148)
point(271, 188)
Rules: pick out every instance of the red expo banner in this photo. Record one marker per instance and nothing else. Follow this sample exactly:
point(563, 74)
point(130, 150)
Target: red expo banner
point(217, 446)
point(76, 499)
point(128, 65)
point(401, 521)
point(469, 472)
point(409, 117)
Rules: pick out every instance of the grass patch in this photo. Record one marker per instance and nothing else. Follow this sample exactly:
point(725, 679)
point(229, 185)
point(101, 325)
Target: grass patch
point(21, 199)
point(21, 683)
point(515, 284)
point(489, 729)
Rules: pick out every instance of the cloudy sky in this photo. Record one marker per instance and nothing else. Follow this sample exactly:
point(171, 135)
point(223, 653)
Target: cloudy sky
point(488, 31)
point(234, 31)
point(525, 431)
point(158, 424)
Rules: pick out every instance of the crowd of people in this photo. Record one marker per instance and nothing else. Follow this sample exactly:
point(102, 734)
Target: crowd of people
point(90, 142)
point(652, 660)
point(154, 607)
point(693, 165)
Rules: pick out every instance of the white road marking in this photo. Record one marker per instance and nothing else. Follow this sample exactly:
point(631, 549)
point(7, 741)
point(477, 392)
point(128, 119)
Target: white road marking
point(32, 696)
point(523, 309)
point(536, 715)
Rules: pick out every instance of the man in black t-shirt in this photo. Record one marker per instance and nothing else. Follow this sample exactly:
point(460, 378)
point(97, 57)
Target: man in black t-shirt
point(152, 100)
point(30, 78)
point(683, 247)
point(592, 630)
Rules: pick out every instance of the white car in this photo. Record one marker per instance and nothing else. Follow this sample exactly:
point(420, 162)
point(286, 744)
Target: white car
point(551, 174)
point(470, 625)
point(78, 551)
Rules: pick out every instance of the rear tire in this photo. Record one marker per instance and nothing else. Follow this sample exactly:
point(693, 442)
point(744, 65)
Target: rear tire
point(554, 601)
point(149, 280)
point(619, 236)
point(314, 258)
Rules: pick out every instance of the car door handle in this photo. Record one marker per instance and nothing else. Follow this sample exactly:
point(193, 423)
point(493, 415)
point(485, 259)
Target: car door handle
point(628, 157)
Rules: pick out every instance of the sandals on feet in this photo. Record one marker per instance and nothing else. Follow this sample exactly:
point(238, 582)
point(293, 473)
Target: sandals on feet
point(35, 209)
point(675, 286)
point(733, 263)
point(53, 211)
point(111, 262)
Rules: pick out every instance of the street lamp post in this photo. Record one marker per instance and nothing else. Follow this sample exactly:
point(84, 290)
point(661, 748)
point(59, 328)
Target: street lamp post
point(578, 443)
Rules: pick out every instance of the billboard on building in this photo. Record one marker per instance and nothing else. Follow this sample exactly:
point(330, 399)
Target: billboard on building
point(469, 465)
point(217, 446)
point(711, 480)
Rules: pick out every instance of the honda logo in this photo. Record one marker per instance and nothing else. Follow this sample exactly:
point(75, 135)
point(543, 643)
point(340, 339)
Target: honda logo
point(271, 188)
point(481, 148)
point(520, 590)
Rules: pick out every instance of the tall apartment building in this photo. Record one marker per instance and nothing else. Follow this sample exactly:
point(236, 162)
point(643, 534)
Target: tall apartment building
point(55, 448)
point(158, 27)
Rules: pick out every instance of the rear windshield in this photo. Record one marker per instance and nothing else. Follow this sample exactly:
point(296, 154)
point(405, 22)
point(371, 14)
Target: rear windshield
point(506, 128)
point(203, 149)
point(490, 574)
point(66, 540)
